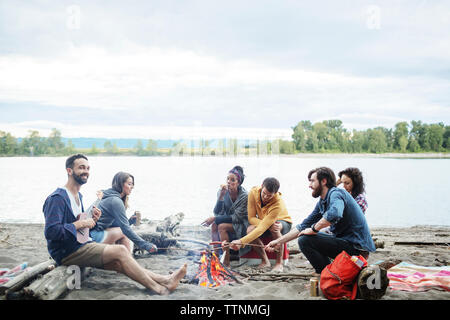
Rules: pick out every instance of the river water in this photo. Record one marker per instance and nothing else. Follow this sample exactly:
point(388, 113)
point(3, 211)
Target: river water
point(400, 192)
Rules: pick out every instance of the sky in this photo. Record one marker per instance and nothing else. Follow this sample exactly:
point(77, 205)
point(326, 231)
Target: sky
point(161, 69)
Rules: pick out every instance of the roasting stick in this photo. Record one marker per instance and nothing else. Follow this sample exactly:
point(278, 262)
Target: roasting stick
point(248, 244)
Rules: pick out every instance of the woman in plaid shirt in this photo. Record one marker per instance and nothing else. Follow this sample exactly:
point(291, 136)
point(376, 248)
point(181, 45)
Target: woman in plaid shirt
point(353, 182)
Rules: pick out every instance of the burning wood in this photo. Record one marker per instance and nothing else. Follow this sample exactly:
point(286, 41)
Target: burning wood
point(212, 273)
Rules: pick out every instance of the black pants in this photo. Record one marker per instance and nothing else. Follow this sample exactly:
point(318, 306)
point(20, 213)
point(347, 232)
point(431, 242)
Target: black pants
point(319, 248)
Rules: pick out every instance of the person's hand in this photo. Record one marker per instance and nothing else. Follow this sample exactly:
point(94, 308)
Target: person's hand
point(96, 213)
point(152, 248)
point(308, 231)
point(225, 244)
point(208, 221)
point(272, 246)
point(277, 226)
point(223, 191)
point(88, 223)
point(236, 245)
point(338, 182)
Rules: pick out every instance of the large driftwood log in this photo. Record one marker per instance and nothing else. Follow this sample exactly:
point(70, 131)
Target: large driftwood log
point(161, 240)
point(165, 234)
point(276, 276)
point(420, 243)
point(26, 276)
point(55, 283)
point(171, 224)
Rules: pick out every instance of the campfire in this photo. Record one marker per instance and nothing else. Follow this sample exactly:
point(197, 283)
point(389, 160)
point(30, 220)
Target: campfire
point(212, 273)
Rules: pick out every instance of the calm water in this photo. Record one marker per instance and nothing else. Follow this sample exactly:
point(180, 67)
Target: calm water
point(400, 192)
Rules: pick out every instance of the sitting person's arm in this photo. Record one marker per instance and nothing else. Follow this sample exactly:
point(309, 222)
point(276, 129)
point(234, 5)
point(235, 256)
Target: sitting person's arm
point(264, 225)
point(313, 217)
point(218, 208)
point(54, 228)
point(335, 208)
point(120, 218)
point(251, 210)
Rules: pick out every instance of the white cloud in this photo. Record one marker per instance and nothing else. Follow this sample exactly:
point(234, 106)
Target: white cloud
point(158, 62)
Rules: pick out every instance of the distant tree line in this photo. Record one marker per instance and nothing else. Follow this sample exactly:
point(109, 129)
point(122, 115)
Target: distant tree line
point(331, 136)
point(35, 145)
point(326, 136)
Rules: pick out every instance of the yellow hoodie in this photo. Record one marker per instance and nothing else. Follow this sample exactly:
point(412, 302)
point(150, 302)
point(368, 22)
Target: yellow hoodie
point(264, 217)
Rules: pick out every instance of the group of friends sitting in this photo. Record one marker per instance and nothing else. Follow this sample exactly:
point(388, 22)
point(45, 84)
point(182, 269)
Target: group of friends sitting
point(337, 222)
point(240, 218)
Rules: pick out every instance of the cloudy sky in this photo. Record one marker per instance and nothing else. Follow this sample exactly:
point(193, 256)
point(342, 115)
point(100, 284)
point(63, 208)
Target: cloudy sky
point(149, 69)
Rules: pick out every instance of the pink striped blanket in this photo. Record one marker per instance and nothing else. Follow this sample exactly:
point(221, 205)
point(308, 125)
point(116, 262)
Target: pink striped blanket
point(410, 277)
point(8, 274)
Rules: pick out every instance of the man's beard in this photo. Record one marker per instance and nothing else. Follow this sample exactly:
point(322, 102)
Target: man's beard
point(79, 179)
point(317, 192)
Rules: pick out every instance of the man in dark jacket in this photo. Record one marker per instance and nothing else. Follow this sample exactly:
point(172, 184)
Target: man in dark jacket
point(62, 226)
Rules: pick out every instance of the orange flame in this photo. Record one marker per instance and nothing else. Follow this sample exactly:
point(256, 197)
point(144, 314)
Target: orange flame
point(217, 272)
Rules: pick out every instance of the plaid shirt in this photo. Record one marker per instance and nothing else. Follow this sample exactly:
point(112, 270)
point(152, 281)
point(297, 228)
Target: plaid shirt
point(362, 201)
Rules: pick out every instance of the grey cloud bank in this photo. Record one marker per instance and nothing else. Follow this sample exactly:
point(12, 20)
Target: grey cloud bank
point(253, 64)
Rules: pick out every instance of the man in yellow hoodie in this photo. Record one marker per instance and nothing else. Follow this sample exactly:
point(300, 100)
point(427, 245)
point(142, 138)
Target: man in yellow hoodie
point(267, 215)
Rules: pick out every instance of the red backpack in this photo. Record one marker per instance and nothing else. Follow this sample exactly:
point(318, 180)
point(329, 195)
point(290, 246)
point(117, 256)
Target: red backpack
point(338, 279)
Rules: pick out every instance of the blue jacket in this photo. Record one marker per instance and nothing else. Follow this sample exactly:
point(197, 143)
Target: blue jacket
point(59, 229)
point(346, 217)
point(114, 215)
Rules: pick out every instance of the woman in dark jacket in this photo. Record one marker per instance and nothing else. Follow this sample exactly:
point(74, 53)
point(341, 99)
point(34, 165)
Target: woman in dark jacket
point(113, 225)
point(230, 211)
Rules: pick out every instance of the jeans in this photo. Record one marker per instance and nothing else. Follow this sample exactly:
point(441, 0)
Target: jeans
point(319, 248)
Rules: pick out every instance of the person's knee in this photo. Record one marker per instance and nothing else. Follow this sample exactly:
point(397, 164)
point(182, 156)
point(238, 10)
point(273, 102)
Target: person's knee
point(304, 241)
point(275, 233)
point(214, 227)
point(223, 228)
point(121, 253)
point(250, 228)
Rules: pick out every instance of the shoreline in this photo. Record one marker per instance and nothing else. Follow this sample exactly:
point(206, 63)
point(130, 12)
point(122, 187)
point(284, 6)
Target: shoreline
point(26, 243)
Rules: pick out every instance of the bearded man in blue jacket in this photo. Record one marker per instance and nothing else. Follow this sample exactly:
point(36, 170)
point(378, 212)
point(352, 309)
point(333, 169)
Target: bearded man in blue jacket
point(338, 209)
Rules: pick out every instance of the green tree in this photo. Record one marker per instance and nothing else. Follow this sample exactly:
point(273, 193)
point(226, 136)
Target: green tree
point(436, 136)
point(70, 148)
point(413, 145)
point(139, 149)
point(376, 141)
point(111, 148)
point(54, 141)
point(358, 141)
point(152, 147)
point(321, 132)
point(446, 143)
point(33, 144)
point(94, 149)
point(401, 136)
point(8, 144)
point(286, 147)
point(419, 131)
point(300, 135)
